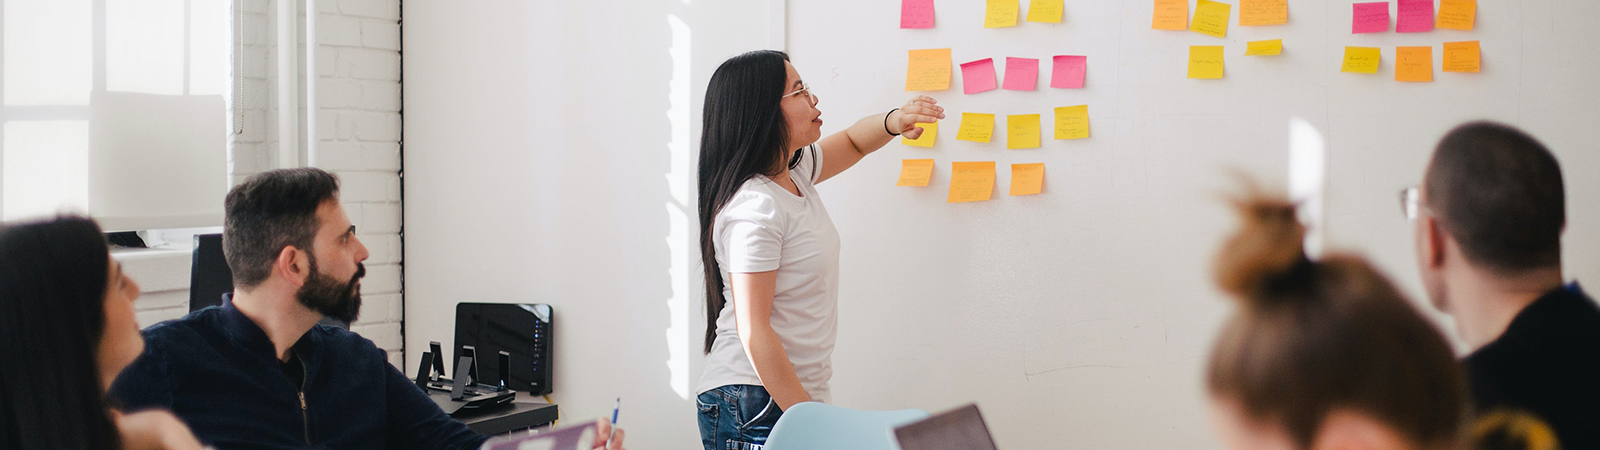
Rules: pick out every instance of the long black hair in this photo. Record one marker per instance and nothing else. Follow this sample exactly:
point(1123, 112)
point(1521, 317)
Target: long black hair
point(744, 134)
point(53, 281)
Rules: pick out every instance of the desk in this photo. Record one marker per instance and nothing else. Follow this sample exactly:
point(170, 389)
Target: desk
point(524, 413)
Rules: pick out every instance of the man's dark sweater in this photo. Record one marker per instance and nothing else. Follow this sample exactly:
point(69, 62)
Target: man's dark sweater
point(217, 370)
point(1546, 363)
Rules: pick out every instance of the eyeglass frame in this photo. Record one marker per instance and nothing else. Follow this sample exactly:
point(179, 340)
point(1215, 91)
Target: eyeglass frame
point(1411, 203)
point(804, 88)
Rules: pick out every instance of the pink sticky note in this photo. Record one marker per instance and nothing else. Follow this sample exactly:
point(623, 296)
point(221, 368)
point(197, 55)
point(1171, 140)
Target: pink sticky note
point(1022, 74)
point(916, 13)
point(1068, 71)
point(1416, 16)
point(1371, 18)
point(978, 76)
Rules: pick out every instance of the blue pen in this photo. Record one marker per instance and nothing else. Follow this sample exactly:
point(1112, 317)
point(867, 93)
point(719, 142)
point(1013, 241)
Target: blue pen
point(614, 410)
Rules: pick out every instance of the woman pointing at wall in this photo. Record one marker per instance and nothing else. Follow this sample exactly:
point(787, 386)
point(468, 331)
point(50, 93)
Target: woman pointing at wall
point(770, 251)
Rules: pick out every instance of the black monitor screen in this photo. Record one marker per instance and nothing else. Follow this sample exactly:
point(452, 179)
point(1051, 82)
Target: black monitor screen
point(521, 329)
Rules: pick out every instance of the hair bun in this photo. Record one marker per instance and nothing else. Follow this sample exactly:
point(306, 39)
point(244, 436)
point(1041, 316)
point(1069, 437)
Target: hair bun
point(1268, 248)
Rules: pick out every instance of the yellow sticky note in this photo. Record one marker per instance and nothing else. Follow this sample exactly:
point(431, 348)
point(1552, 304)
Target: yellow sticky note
point(1072, 122)
point(971, 181)
point(1272, 47)
point(1205, 61)
point(928, 70)
point(1170, 15)
point(1361, 60)
point(1022, 131)
point(976, 127)
point(1211, 18)
point(930, 131)
point(1046, 11)
point(1263, 12)
point(1027, 179)
point(1457, 14)
point(1002, 13)
point(1462, 57)
point(915, 172)
point(1413, 64)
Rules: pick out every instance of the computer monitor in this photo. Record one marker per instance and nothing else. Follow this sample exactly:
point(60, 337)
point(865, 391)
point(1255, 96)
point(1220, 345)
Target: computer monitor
point(209, 276)
point(521, 329)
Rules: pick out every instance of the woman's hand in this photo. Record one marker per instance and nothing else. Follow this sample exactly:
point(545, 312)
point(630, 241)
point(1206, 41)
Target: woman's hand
point(154, 430)
point(922, 109)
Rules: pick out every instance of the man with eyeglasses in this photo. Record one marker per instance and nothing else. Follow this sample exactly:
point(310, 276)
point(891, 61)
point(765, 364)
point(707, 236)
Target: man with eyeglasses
point(1488, 220)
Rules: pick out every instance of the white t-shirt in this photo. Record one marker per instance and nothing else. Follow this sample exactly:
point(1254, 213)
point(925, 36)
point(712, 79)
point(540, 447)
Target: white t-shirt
point(765, 227)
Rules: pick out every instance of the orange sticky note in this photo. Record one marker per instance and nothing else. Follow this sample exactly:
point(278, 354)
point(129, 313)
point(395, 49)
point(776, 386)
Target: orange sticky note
point(1263, 12)
point(1457, 14)
point(1002, 13)
point(930, 131)
point(1271, 47)
point(1462, 57)
point(1022, 131)
point(1413, 64)
point(915, 172)
point(976, 127)
point(971, 181)
point(1205, 61)
point(1072, 122)
point(928, 70)
point(1211, 18)
point(1170, 15)
point(1027, 179)
point(1045, 11)
point(1361, 60)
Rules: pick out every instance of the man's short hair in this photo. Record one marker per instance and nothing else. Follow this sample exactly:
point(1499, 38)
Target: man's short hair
point(270, 211)
point(1499, 192)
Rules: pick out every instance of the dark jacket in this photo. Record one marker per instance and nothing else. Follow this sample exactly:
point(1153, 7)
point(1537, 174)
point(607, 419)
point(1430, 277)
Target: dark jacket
point(1547, 363)
point(218, 371)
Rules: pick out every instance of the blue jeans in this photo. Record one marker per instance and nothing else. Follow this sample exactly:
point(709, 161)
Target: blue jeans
point(736, 417)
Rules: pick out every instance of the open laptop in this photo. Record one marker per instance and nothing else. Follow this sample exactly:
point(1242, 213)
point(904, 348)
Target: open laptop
point(958, 429)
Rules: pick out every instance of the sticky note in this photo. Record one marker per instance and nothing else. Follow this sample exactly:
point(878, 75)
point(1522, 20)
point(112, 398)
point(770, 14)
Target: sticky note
point(1002, 13)
point(1072, 122)
point(1257, 48)
point(915, 172)
point(1462, 57)
point(1170, 15)
point(1022, 131)
point(1211, 18)
point(1022, 74)
point(1027, 179)
point(916, 13)
point(1361, 60)
point(977, 76)
point(971, 181)
point(1205, 61)
point(928, 70)
point(1045, 11)
point(1457, 14)
point(1263, 12)
point(1413, 64)
point(1069, 71)
point(976, 127)
point(1370, 17)
point(1416, 16)
point(930, 132)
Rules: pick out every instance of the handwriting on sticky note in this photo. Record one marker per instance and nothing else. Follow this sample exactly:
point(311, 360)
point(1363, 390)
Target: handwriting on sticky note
point(977, 76)
point(1413, 64)
point(1205, 62)
point(1045, 11)
point(1027, 179)
point(1462, 57)
point(1170, 15)
point(976, 127)
point(1072, 122)
point(1022, 74)
point(1022, 131)
point(1263, 48)
point(928, 70)
point(916, 13)
point(1068, 71)
point(1263, 12)
point(971, 181)
point(1416, 16)
point(1361, 60)
point(1457, 14)
point(1371, 17)
point(1211, 18)
point(1001, 13)
point(915, 172)
point(930, 132)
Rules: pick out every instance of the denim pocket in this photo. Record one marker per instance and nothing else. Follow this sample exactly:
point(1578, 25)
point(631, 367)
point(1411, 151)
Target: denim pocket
point(758, 412)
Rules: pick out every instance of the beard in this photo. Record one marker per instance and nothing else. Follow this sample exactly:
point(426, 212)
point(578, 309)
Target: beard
point(332, 297)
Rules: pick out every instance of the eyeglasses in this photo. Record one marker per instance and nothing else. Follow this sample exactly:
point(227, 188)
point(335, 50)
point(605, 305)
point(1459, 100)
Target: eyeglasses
point(1410, 202)
point(804, 89)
